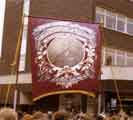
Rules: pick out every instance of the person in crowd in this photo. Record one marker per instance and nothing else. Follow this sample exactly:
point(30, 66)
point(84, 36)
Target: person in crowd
point(59, 115)
point(20, 114)
point(27, 117)
point(90, 116)
point(123, 115)
point(101, 116)
point(40, 116)
point(50, 115)
point(83, 116)
point(8, 114)
point(115, 115)
point(108, 116)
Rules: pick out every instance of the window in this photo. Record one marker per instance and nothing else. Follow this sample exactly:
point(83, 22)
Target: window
point(117, 57)
point(100, 14)
point(99, 18)
point(130, 59)
point(23, 49)
point(111, 20)
point(2, 15)
point(24, 36)
point(114, 21)
point(109, 56)
point(121, 23)
point(120, 57)
point(130, 26)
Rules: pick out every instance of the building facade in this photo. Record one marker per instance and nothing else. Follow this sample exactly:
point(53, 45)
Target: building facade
point(116, 18)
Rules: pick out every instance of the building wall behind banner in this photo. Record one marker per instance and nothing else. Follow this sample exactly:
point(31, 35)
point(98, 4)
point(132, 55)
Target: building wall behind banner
point(10, 35)
point(81, 10)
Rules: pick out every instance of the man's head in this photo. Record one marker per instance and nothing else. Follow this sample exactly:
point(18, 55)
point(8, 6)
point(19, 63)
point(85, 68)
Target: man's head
point(101, 116)
point(8, 114)
point(40, 116)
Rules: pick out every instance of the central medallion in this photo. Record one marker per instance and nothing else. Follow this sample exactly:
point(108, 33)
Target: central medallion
point(65, 51)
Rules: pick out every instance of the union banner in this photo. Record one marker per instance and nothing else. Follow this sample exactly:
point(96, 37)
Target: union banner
point(65, 57)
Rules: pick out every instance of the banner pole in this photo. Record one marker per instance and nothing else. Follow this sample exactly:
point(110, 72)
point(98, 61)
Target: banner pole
point(17, 63)
point(117, 90)
point(16, 60)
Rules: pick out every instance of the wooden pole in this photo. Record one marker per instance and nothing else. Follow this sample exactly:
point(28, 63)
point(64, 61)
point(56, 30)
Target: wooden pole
point(15, 64)
point(117, 90)
point(17, 61)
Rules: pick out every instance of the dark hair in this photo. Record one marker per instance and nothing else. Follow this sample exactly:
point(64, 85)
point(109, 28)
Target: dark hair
point(60, 118)
point(99, 118)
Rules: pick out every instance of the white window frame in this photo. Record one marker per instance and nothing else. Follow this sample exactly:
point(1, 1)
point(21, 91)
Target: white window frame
point(2, 17)
point(101, 11)
point(126, 25)
point(111, 15)
point(110, 52)
point(22, 61)
point(125, 58)
point(115, 58)
point(121, 19)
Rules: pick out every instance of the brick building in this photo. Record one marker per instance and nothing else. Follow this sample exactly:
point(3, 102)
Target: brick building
point(117, 47)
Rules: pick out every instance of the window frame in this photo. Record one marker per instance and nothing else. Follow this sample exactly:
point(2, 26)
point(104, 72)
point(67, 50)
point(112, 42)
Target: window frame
point(130, 21)
point(23, 50)
point(2, 16)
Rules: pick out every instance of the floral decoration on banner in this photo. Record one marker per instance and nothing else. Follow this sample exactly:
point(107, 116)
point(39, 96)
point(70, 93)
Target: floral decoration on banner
point(65, 52)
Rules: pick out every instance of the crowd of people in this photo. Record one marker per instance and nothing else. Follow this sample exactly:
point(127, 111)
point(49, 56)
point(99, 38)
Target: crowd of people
point(11, 114)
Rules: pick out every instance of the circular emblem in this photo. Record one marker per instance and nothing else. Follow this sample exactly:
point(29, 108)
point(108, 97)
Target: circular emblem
point(65, 52)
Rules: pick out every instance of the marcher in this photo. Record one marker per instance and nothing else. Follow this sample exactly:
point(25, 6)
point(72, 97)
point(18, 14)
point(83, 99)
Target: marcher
point(8, 114)
point(40, 116)
point(27, 117)
point(61, 116)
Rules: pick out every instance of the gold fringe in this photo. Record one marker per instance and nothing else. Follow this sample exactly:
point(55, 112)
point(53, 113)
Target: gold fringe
point(63, 92)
